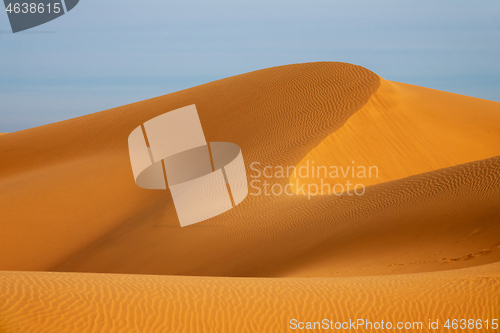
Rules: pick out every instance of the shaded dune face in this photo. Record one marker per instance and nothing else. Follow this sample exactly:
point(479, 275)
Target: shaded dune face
point(71, 203)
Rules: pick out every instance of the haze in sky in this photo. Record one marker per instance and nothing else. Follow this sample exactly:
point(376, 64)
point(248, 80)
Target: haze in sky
point(106, 54)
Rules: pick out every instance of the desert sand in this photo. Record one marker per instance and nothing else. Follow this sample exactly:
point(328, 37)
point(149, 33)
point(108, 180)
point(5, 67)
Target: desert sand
point(421, 243)
point(407, 130)
point(79, 302)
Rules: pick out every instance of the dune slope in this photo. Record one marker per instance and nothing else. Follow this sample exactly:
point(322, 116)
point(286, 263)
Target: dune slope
point(406, 130)
point(77, 302)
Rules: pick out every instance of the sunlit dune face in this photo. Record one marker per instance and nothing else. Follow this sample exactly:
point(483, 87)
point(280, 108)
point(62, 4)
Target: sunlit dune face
point(402, 131)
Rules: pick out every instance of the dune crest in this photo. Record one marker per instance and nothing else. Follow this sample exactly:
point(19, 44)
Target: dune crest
point(402, 131)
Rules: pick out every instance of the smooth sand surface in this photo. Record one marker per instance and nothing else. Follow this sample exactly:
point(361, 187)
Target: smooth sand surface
point(77, 302)
point(69, 203)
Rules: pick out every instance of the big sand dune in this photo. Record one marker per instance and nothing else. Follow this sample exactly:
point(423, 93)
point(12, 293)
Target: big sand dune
point(420, 243)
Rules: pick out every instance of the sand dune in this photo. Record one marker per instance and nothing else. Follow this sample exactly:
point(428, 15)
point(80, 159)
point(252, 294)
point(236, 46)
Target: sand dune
point(69, 203)
point(75, 175)
point(69, 302)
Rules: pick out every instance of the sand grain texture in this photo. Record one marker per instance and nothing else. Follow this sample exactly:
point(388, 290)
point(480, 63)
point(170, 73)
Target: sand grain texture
point(77, 302)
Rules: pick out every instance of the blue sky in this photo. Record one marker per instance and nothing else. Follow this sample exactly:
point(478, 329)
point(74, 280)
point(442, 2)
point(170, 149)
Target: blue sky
point(109, 53)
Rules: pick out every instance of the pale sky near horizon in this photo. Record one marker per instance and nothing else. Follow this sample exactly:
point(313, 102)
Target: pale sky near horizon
point(105, 54)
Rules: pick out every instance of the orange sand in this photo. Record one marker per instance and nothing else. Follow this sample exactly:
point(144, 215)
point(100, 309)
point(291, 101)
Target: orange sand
point(405, 130)
point(69, 203)
point(76, 302)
